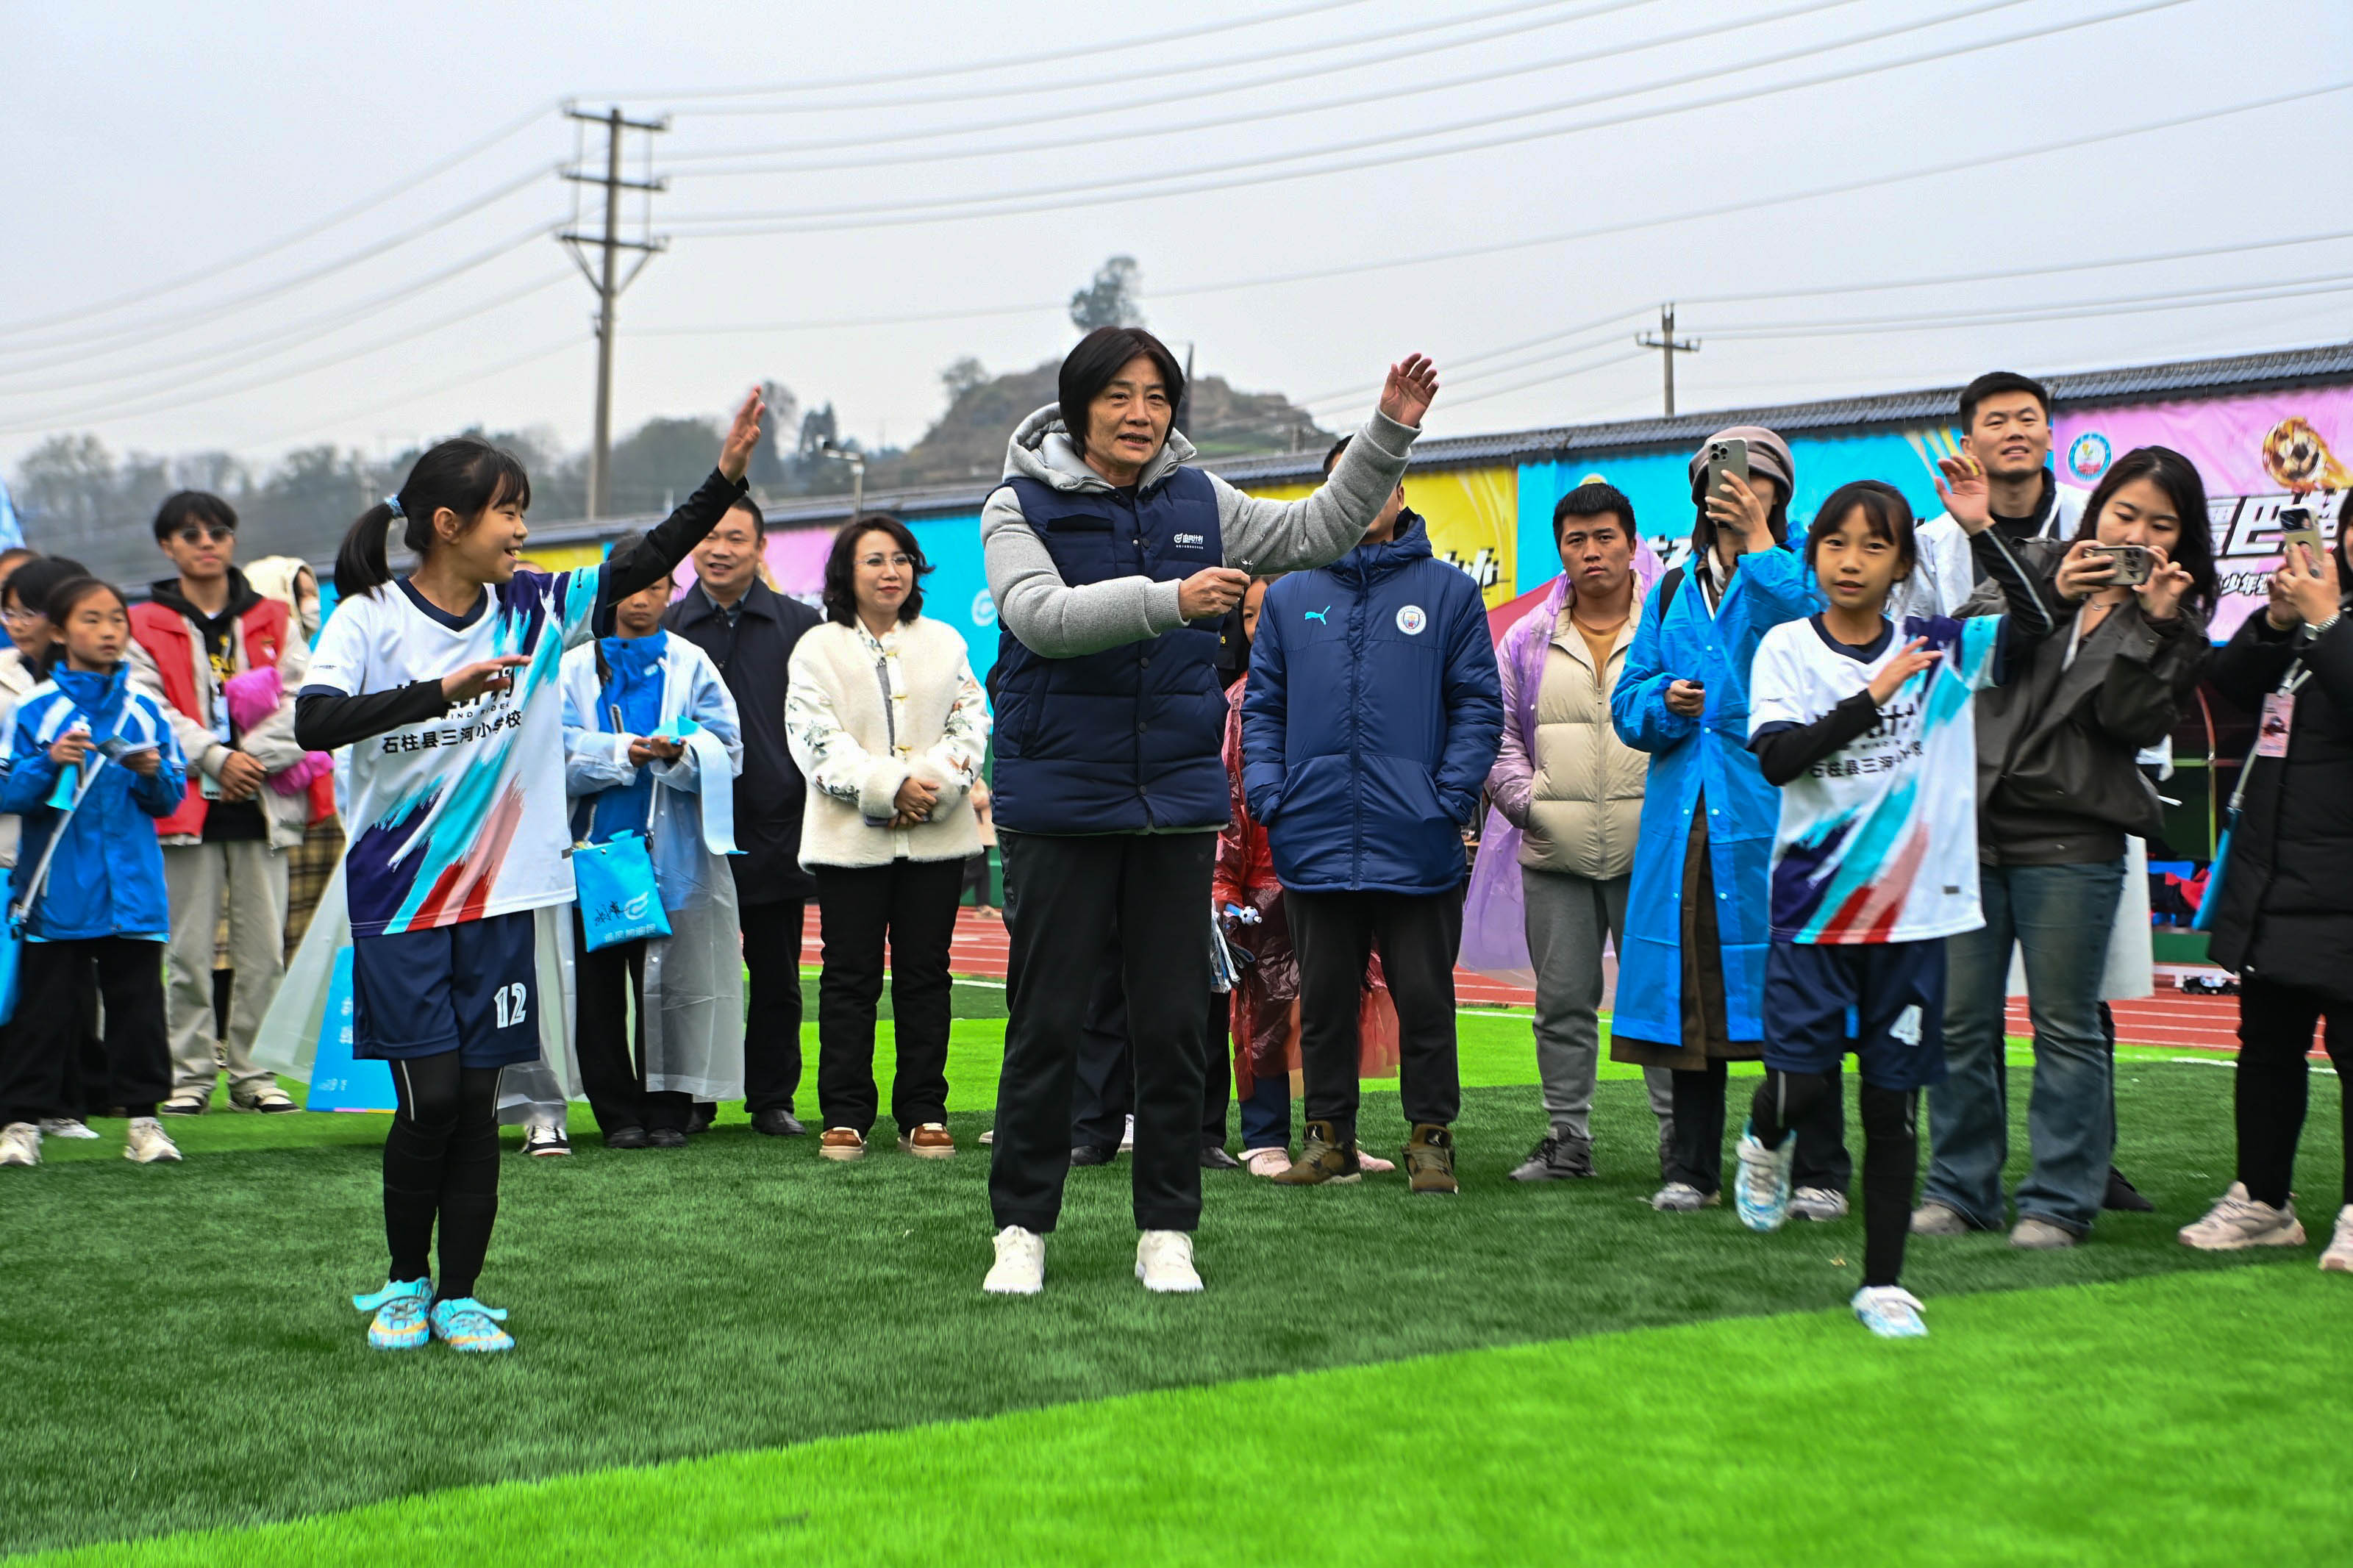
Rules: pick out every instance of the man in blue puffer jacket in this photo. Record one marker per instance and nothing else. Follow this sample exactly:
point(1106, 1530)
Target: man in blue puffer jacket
point(1373, 715)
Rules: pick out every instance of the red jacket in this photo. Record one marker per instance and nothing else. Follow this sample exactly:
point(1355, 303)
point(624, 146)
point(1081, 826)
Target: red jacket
point(185, 671)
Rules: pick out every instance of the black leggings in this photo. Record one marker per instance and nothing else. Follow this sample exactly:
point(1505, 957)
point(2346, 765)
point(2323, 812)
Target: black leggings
point(441, 1159)
point(1891, 1156)
point(2275, 1025)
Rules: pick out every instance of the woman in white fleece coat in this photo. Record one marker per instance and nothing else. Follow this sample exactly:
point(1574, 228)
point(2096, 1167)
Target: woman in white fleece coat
point(884, 719)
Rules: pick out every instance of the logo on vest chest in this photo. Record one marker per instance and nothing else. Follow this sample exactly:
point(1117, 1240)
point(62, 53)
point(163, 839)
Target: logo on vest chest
point(1410, 620)
point(1187, 540)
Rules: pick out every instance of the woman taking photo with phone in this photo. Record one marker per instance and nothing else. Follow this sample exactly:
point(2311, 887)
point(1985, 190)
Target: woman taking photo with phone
point(2285, 918)
point(2060, 790)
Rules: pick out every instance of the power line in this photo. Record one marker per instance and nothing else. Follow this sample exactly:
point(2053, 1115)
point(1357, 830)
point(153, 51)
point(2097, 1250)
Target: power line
point(1002, 62)
point(340, 215)
point(164, 326)
point(253, 351)
point(1209, 176)
point(1625, 358)
point(469, 379)
point(1290, 76)
point(177, 398)
point(2186, 299)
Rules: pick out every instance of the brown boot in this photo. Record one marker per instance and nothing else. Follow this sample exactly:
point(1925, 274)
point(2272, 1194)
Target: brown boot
point(1430, 1159)
point(1322, 1158)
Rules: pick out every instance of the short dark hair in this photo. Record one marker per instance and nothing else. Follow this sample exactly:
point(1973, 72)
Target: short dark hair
point(1993, 383)
point(1593, 498)
point(1089, 368)
point(840, 573)
point(1885, 511)
point(2179, 477)
point(751, 508)
point(1332, 458)
point(30, 585)
point(184, 507)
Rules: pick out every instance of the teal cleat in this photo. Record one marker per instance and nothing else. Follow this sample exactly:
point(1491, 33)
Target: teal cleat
point(1890, 1311)
point(1761, 1189)
point(464, 1324)
point(399, 1310)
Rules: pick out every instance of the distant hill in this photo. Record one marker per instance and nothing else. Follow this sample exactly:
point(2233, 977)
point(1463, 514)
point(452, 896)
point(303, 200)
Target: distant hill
point(968, 441)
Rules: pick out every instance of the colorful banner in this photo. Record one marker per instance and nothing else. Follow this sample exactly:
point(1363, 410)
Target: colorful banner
point(2256, 455)
point(1474, 522)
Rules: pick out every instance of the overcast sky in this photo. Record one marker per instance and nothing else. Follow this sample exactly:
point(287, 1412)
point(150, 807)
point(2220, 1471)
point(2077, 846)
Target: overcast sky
point(150, 144)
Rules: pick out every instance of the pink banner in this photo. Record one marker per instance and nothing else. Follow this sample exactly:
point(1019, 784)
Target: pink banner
point(795, 561)
point(2256, 455)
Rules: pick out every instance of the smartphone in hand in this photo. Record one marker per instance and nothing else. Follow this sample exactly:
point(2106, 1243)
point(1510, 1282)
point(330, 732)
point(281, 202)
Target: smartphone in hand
point(2135, 563)
point(1729, 455)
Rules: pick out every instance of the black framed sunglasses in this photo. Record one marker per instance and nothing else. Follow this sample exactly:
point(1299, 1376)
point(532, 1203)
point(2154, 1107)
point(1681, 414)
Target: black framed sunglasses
point(204, 533)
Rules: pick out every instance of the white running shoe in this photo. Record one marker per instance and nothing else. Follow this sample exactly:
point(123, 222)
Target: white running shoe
point(1020, 1267)
point(2338, 1259)
point(1681, 1197)
point(1890, 1311)
point(20, 1144)
point(2237, 1221)
point(1760, 1191)
point(1266, 1162)
point(149, 1142)
point(65, 1127)
point(1163, 1261)
point(546, 1140)
point(1818, 1203)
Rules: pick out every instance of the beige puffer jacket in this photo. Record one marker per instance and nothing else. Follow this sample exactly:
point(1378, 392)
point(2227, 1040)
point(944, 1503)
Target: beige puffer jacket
point(1586, 807)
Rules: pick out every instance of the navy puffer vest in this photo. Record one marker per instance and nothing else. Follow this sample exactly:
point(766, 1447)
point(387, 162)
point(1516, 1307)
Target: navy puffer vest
point(1127, 739)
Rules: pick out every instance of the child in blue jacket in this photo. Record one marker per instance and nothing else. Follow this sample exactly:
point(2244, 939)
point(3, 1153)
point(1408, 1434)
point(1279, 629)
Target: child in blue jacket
point(101, 910)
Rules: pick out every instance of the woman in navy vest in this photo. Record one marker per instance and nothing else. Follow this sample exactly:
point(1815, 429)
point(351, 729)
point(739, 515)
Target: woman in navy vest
point(1112, 561)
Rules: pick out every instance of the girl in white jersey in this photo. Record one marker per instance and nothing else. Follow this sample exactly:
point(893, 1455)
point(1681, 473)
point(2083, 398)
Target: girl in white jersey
point(444, 684)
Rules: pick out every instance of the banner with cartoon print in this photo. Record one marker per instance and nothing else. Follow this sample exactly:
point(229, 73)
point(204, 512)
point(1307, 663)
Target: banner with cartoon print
point(2257, 454)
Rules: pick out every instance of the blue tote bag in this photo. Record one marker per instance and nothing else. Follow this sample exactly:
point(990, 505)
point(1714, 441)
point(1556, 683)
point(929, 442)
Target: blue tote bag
point(20, 913)
point(619, 901)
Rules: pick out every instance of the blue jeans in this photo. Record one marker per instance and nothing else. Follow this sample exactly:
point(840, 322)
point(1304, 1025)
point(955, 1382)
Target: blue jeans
point(2058, 916)
point(1266, 1114)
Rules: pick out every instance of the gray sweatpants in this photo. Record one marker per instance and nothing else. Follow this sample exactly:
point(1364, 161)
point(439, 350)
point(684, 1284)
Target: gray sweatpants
point(252, 876)
point(1567, 916)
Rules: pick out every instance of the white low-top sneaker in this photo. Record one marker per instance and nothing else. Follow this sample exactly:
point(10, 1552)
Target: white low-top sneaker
point(1163, 1261)
point(1266, 1162)
point(20, 1144)
point(1818, 1203)
point(2338, 1259)
point(65, 1127)
point(1020, 1266)
point(2238, 1221)
point(148, 1142)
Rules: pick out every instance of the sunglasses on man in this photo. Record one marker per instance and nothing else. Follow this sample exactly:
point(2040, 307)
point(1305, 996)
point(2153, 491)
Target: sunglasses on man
point(204, 533)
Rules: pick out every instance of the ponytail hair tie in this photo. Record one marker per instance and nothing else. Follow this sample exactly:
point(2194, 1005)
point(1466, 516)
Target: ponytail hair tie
point(394, 502)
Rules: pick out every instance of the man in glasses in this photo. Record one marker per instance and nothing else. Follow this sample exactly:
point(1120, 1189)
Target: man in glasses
point(201, 630)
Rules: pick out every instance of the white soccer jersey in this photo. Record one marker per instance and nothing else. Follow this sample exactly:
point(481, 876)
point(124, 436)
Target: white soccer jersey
point(1878, 841)
point(455, 818)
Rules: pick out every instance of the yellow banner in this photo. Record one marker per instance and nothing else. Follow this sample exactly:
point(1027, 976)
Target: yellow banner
point(1474, 522)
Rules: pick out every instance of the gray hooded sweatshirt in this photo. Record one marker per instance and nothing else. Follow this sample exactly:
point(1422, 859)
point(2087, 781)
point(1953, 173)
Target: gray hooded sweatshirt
point(1057, 621)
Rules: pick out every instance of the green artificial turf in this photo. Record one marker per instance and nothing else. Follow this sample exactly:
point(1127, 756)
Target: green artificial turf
point(2160, 1421)
point(180, 1355)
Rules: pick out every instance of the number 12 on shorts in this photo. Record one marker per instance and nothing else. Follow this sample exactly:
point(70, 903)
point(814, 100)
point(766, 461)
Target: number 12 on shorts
point(510, 1000)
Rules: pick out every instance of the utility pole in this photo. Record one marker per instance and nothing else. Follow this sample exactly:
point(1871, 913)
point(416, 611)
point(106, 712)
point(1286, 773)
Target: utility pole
point(1668, 347)
point(603, 281)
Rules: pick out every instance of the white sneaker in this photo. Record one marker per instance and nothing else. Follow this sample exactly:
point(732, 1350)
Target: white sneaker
point(1267, 1162)
point(1127, 1136)
point(2237, 1221)
point(1020, 1267)
point(546, 1140)
point(1818, 1203)
point(149, 1142)
point(65, 1127)
point(1681, 1197)
point(2338, 1259)
point(20, 1144)
point(1890, 1311)
point(1163, 1261)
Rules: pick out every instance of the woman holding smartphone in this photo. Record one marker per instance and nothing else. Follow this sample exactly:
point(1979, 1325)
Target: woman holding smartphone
point(2285, 917)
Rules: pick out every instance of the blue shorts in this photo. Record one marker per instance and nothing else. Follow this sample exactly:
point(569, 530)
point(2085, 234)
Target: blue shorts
point(1892, 994)
point(472, 988)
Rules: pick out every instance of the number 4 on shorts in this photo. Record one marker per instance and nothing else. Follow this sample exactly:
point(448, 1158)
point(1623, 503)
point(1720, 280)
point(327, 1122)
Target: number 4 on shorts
point(1905, 1028)
point(510, 1000)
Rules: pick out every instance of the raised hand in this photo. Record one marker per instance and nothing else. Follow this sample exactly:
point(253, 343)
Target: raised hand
point(742, 435)
point(2310, 583)
point(1962, 486)
point(1411, 386)
point(1741, 518)
point(2082, 575)
point(2160, 596)
point(1916, 656)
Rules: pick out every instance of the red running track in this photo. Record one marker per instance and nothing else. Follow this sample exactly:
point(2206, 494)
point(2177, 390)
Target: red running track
point(2168, 1020)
